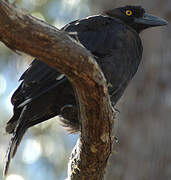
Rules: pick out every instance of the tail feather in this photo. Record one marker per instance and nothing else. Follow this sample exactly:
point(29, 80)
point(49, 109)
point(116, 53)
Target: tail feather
point(16, 138)
point(12, 123)
point(14, 143)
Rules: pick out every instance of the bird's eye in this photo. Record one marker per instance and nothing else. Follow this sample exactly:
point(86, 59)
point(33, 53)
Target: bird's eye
point(128, 12)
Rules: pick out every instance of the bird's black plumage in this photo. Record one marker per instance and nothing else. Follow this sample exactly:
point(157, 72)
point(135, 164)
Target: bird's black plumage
point(113, 39)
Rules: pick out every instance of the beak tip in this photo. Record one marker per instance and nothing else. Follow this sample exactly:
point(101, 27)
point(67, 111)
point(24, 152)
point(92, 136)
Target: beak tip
point(165, 23)
point(162, 22)
point(151, 20)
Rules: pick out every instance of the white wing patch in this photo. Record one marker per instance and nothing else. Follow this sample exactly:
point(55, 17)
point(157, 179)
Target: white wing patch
point(60, 77)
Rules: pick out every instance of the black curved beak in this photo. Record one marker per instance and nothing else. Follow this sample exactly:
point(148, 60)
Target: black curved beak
point(151, 20)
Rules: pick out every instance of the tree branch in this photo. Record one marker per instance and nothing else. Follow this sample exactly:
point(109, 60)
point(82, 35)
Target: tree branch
point(22, 32)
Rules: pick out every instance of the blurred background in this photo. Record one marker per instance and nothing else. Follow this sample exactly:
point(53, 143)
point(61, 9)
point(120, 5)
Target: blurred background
point(144, 129)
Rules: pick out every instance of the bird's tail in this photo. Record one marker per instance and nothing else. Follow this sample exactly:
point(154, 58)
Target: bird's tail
point(16, 138)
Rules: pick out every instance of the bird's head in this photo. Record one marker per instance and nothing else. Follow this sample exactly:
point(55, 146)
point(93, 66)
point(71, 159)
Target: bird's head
point(136, 17)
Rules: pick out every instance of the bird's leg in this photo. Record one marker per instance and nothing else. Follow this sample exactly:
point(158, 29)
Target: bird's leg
point(117, 123)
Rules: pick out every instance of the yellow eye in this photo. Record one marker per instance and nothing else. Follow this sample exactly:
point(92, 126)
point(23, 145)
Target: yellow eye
point(128, 12)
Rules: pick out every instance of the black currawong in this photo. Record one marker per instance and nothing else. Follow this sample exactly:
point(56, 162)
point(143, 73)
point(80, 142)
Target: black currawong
point(113, 39)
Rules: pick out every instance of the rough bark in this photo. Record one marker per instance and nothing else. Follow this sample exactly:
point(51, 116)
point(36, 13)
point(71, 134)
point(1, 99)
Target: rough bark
point(22, 32)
